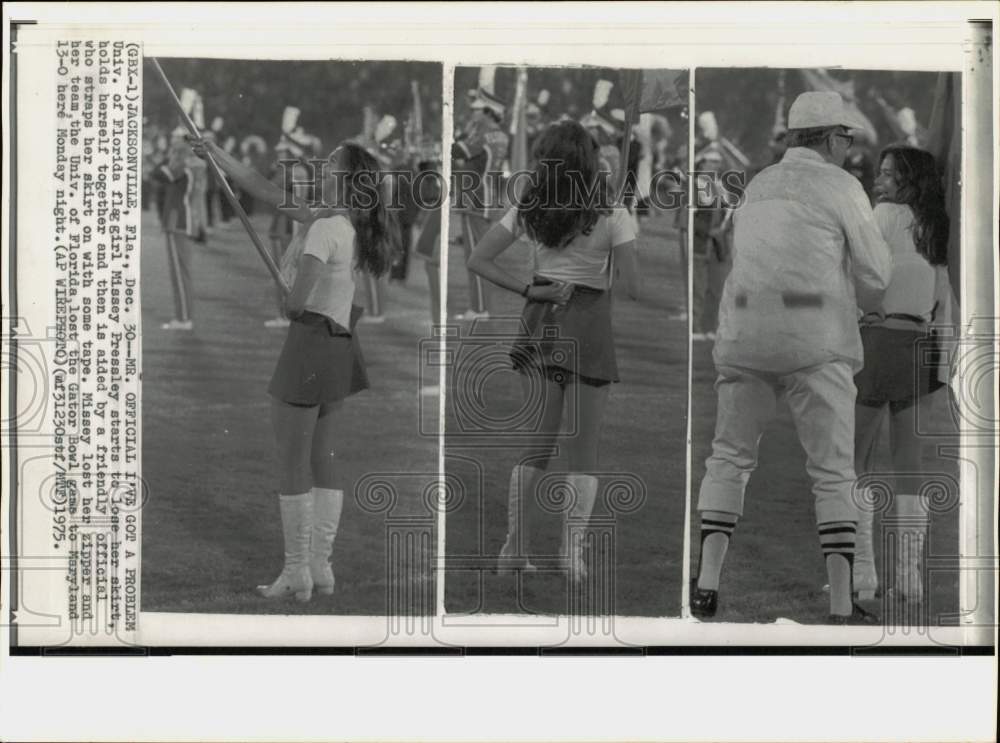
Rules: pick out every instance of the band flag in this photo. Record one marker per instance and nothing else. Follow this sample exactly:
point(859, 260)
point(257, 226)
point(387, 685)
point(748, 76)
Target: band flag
point(224, 185)
point(653, 90)
point(645, 91)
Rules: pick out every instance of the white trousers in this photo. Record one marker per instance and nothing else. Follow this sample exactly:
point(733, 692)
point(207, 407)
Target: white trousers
point(821, 399)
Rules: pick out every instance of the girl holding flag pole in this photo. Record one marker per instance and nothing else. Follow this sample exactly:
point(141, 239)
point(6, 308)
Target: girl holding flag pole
point(320, 363)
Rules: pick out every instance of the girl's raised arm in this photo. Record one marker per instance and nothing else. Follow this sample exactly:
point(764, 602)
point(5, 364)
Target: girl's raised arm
point(253, 182)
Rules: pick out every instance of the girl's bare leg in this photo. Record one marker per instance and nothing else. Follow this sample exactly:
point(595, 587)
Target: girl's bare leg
point(585, 404)
point(294, 426)
point(910, 518)
point(293, 431)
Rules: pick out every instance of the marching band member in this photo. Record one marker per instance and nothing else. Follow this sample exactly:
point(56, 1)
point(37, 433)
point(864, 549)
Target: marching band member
point(711, 246)
point(218, 208)
point(293, 150)
point(480, 151)
point(253, 154)
point(182, 177)
point(606, 128)
point(386, 147)
point(199, 171)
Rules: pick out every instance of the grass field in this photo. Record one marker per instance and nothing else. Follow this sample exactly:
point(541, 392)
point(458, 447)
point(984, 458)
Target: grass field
point(211, 529)
point(774, 567)
point(643, 437)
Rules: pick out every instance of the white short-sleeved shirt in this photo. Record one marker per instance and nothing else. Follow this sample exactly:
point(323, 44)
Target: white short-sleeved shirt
point(584, 260)
point(331, 240)
point(912, 288)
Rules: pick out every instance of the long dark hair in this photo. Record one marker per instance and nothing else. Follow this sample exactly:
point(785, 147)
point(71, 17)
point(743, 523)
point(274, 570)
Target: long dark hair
point(567, 192)
point(918, 182)
point(363, 196)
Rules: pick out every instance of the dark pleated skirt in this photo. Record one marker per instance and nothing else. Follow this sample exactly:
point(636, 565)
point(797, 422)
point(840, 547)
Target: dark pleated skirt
point(899, 366)
point(572, 342)
point(320, 362)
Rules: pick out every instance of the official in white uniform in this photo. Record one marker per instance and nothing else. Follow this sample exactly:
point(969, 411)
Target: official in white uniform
point(807, 251)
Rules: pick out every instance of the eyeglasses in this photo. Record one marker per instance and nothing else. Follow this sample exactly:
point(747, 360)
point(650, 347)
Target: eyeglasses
point(848, 137)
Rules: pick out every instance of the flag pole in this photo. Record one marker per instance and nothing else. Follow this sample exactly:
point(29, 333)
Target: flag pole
point(226, 189)
point(632, 88)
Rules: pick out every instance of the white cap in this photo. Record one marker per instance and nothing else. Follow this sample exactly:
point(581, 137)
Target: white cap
point(907, 121)
point(487, 78)
point(602, 93)
point(188, 99)
point(386, 126)
point(485, 99)
point(198, 114)
point(708, 125)
point(289, 119)
point(818, 109)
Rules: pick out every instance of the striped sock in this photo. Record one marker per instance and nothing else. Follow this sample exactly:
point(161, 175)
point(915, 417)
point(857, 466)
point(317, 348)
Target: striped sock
point(836, 539)
point(716, 530)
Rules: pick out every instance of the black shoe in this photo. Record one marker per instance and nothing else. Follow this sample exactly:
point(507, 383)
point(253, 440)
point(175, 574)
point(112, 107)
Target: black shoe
point(858, 616)
point(704, 603)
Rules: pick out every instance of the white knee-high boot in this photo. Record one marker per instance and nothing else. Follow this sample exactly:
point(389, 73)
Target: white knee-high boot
point(908, 528)
point(865, 576)
point(327, 506)
point(296, 525)
point(513, 554)
point(584, 488)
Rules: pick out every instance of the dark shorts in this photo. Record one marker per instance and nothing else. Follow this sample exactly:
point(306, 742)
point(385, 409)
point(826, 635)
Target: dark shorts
point(900, 366)
point(569, 343)
point(320, 362)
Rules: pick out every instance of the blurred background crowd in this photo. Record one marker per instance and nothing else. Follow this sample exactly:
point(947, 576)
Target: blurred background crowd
point(263, 111)
point(599, 98)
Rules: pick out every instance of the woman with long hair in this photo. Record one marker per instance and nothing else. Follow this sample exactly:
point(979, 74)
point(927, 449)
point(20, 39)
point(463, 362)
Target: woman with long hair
point(898, 376)
point(577, 238)
point(321, 362)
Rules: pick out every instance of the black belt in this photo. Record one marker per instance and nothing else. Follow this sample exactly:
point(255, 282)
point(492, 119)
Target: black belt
point(904, 316)
point(584, 288)
point(790, 300)
point(308, 317)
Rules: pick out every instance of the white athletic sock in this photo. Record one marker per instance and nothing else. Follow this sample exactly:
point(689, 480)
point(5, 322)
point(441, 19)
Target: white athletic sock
point(716, 530)
point(837, 540)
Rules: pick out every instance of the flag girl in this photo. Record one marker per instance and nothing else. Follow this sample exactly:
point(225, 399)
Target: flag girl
point(320, 363)
point(895, 380)
point(573, 237)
